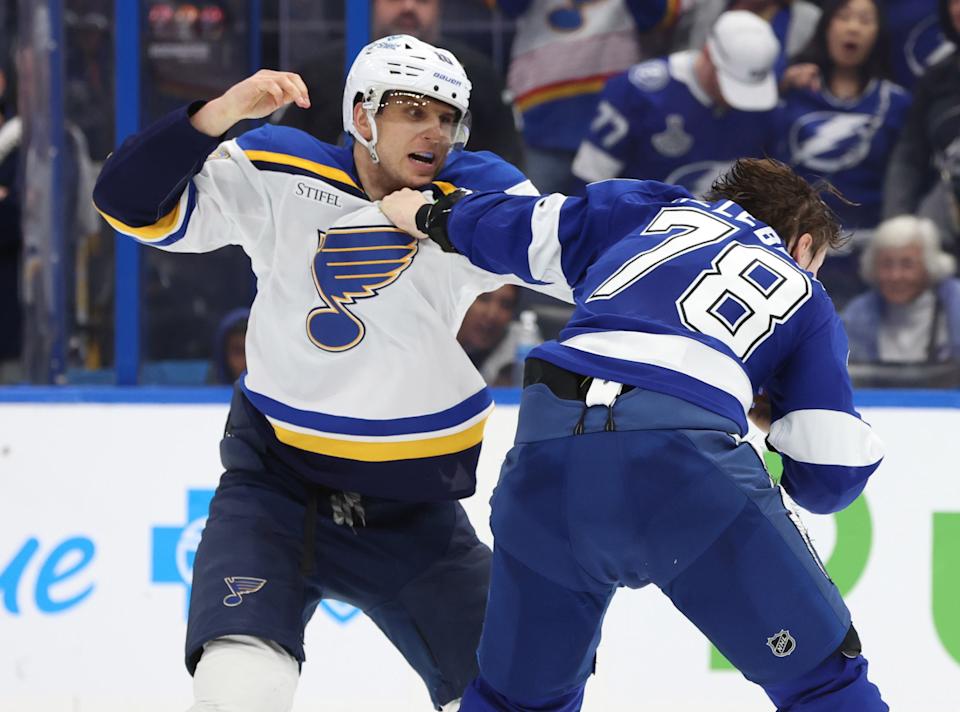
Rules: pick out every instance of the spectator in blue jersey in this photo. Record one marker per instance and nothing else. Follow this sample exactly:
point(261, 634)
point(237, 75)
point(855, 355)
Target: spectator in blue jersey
point(684, 118)
point(924, 171)
point(840, 119)
point(344, 459)
point(629, 466)
point(912, 312)
point(843, 120)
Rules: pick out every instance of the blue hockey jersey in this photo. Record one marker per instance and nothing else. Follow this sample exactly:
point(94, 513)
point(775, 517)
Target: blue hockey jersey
point(655, 122)
point(696, 300)
point(847, 141)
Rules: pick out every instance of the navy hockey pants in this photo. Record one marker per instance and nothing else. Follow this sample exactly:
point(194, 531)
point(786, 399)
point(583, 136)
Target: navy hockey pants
point(263, 565)
point(670, 498)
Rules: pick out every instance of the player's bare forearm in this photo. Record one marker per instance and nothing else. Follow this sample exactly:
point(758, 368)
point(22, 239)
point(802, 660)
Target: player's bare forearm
point(255, 97)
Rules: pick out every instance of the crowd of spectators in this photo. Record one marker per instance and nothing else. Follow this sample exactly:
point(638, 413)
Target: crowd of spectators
point(862, 93)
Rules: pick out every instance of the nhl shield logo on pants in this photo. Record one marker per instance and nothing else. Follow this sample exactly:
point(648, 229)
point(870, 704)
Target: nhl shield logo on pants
point(782, 644)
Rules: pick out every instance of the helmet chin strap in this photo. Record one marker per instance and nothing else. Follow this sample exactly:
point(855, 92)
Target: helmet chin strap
point(370, 145)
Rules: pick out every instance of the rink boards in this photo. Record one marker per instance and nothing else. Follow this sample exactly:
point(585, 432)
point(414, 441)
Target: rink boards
point(102, 503)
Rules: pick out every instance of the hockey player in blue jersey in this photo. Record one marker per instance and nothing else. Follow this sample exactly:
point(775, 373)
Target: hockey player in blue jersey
point(629, 465)
point(684, 118)
point(343, 465)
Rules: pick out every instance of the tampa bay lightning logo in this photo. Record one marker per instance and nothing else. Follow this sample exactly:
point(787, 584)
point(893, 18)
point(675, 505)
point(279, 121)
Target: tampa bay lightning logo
point(831, 141)
point(350, 264)
point(925, 45)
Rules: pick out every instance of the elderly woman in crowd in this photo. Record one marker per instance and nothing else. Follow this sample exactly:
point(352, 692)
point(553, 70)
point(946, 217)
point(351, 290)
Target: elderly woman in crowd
point(912, 312)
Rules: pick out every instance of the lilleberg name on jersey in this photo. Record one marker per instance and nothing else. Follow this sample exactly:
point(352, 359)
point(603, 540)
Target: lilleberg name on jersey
point(311, 192)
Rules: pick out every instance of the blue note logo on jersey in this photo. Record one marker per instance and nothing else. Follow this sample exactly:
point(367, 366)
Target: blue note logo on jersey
point(241, 586)
point(350, 264)
point(831, 141)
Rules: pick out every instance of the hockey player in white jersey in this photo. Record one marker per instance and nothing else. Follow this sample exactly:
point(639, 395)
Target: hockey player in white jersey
point(358, 424)
point(629, 466)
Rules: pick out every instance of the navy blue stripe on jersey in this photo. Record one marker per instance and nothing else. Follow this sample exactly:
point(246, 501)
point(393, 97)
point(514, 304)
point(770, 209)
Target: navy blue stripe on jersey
point(133, 187)
point(460, 413)
point(294, 142)
point(277, 166)
point(480, 170)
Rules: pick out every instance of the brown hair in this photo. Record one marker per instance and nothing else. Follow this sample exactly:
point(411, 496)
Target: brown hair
point(772, 193)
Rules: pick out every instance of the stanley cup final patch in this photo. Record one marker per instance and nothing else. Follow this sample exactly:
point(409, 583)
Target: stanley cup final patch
point(782, 644)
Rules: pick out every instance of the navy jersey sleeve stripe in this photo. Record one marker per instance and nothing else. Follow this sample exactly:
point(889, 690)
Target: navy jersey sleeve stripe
point(142, 181)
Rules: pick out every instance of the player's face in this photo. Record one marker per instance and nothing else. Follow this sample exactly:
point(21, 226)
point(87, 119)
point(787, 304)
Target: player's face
point(852, 33)
point(487, 319)
point(901, 273)
point(414, 136)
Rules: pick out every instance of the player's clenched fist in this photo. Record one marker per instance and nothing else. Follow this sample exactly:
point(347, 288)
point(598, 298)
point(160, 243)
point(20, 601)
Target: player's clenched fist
point(401, 208)
point(253, 98)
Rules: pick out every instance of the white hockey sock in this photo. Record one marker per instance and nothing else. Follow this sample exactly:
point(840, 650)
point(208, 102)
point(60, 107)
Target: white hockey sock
point(241, 673)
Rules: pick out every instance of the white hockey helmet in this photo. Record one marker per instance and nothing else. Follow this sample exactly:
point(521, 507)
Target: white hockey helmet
point(404, 63)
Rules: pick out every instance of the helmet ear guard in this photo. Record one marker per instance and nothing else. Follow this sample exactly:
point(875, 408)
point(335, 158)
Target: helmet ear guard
point(404, 63)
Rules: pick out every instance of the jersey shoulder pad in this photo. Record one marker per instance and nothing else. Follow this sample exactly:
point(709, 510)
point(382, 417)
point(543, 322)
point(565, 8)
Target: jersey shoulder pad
point(294, 142)
point(288, 150)
point(650, 76)
point(479, 171)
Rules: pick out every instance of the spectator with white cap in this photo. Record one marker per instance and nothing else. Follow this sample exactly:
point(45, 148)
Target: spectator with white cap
point(683, 118)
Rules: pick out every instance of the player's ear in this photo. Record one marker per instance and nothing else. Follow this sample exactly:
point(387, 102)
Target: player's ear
point(361, 121)
point(802, 250)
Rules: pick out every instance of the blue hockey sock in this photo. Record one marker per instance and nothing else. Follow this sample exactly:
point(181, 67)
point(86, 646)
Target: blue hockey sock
point(838, 684)
point(481, 697)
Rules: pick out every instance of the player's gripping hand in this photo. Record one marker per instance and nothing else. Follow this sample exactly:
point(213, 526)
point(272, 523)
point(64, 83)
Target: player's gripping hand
point(253, 98)
point(410, 211)
point(401, 208)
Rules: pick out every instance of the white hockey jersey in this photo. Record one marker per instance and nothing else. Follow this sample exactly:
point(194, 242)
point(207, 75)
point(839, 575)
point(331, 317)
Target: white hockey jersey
point(351, 348)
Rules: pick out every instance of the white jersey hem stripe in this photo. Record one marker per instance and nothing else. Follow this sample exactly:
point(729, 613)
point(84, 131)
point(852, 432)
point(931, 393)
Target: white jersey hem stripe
point(672, 352)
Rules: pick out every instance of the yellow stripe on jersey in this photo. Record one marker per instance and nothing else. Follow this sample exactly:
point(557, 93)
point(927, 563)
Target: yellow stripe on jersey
point(373, 451)
point(445, 188)
point(151, 233)
point(312, 166)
